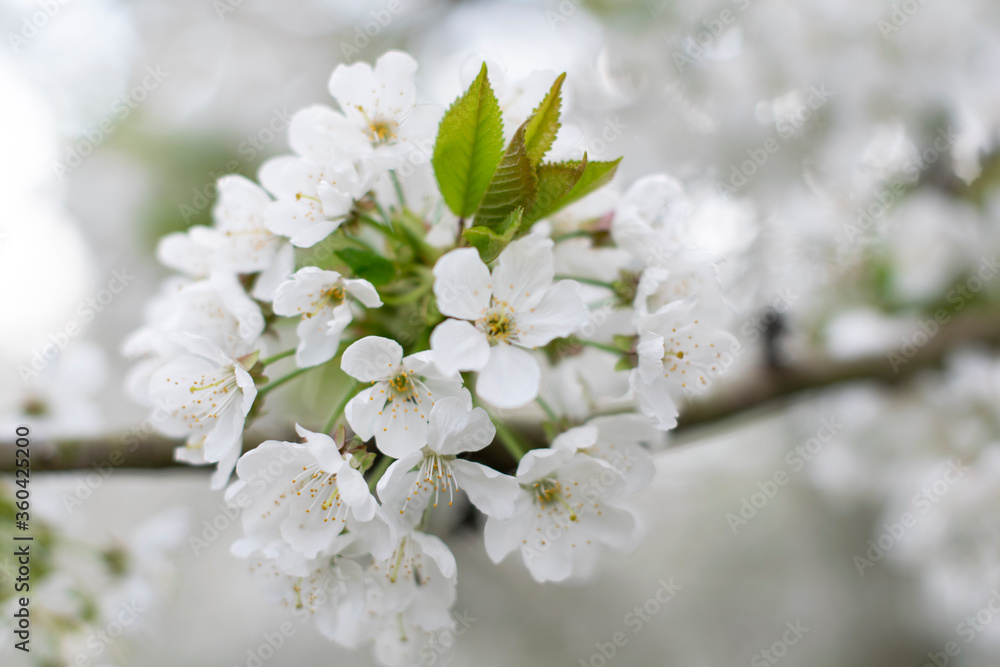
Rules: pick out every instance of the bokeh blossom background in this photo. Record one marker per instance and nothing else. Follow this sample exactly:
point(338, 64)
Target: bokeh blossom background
point(831, 500)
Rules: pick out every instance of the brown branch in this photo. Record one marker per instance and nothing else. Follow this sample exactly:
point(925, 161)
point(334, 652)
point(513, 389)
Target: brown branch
point(774, 386)
point(765, 389)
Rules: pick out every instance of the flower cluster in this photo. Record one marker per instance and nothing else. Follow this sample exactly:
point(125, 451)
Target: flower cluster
point(446, 274)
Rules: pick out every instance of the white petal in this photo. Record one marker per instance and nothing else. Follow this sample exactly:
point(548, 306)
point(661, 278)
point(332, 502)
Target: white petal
point(280, 175)
point(354, 489)
point(576, 439)
point(179, 251)
point(336, 202)
point(278, 272)
point(301, 294)
point(650, 353)
point(393, 483)
point(247, 387)
point(501, 536)
point(224, 470)
point(419, 126)
point(510, 378)
point(560, 313)
point(323, 135)
point(524, 271)
point(363, 291)
point(354, 86)
point(318, 341)
point(539, 463)
point(454, 428)
point(201, 346)
point(395, 72)
point(439, 552)
point(322, 448)
point(308, 538)
point(401, 429)
point(490, 491)
point(462, 284)
point(655, 400)
point(372, 358)
point(363, 410)
point(459, 346)
point(226, 435)
point(304, 226)
point(628, 428)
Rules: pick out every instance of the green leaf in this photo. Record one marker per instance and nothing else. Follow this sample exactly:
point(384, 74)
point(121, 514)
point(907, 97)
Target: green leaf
point(543, 124)
point(514, 185)
point(555, 182)
point(489, 243)
point(374, 268)
point(553, 194)
point(469, 146)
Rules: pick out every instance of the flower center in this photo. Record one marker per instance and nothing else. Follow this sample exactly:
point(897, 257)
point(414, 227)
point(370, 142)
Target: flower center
point(210, 395)
point(402, 386)
point(436, 476)
point(549, 494)
point(333, 296)
point(499, 326)
point(381, 131)
point(321, 492)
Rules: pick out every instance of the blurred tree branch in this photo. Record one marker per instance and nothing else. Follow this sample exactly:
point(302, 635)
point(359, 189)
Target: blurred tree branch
point(767, 388)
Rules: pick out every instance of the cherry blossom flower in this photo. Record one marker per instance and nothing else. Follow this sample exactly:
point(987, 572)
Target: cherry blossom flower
point(306, 496)
point(207, 396)
point(320, 298)
point(420, 571)
point(678, 354)
point(651, 219)
point(238, 242)
point(500, 316)
point(406, 636)
point(569, 505)
point(325, 586)
point(313, 197)
point(424, 476)
point(396, 408)
point(623, 441)
point(380, 104)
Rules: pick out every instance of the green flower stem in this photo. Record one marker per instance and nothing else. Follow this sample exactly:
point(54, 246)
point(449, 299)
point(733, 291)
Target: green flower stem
point(379, 470)
point(603, 346)
point(339, 410)
point(548, 409)
point(399, 188)
point(510, 441)
point(282, 380)
point(381, 228)
point(385, 216)
point(280, 355)
point(425, 283)
point(587, 281)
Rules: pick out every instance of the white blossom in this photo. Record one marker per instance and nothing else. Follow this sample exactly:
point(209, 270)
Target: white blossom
point(207, 396)
point(319, 298)
point(499, 317)
point(678, 355)
point(307, 499)
point(433, 474)
point(568, 506)
point(396, 408)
